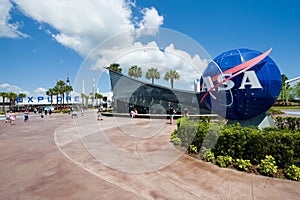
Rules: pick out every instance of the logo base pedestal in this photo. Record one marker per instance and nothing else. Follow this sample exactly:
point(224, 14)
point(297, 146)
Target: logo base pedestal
point(261, 121)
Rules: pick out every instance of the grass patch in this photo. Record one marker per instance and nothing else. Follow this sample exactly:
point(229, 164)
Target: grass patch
point(286, 107)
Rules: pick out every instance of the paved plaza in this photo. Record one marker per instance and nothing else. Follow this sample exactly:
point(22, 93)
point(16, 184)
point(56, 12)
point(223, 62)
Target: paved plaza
point(115, 158)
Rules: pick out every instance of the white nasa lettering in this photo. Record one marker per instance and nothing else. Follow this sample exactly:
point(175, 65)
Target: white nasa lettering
point(251, 79)
point(207, 84)
point(227, 85)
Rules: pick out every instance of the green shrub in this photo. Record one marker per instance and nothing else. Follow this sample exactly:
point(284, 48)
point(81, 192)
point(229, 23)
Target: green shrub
point(292, 172)
point(233, 140)
point(291, 123)
point(193, 149)
point(268, 166)
point(209, 157)
point(2, 113)
point(187, 131)
point(174, 138)
point(243, 165)
point(224, 161)
point(176, 141)
point(238, 142)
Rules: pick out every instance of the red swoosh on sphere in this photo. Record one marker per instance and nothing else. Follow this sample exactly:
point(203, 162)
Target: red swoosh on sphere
point(237, 70)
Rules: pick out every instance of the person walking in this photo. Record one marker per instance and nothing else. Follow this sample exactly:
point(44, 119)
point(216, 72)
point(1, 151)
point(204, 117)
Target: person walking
point(12, 117)
point(171, 113)
point(26, 115)
point(99, 115)
point(7, 117)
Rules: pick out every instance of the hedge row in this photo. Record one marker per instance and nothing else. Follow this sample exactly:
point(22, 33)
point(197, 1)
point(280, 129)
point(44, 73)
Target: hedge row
point(291, 123)
point(239, 142)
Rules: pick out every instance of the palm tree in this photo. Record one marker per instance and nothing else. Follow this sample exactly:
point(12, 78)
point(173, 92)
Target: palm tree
point(50, 92)
point(22, 95)
point(115, 67)
point(98, 96)
point(56, 93)
point(60, 90)
point(135, 71)
point(12, 97)
point(297, 89)
point(19, 97)
point(152, 73)
point(172, 75)
point(3, 95)
point(68, 89)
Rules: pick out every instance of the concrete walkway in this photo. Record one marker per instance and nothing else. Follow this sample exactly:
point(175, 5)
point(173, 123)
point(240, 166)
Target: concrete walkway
point(115, 158)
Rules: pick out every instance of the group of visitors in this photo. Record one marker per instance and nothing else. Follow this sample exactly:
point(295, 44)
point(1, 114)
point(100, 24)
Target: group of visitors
point(42, 111)
point(10, 116)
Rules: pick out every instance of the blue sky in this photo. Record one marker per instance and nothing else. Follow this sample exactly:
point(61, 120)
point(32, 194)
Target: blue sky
point(43, 41)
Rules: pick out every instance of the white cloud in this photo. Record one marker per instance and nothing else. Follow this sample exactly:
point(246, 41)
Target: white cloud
point(152, 20)
point(7, 29)
point(81, 24)
point(151, 55)
point(40, 91)
point(5, 87)
point(170, 58)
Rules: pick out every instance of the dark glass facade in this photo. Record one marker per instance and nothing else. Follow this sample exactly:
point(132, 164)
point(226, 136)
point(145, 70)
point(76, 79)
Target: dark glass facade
point(129, 93)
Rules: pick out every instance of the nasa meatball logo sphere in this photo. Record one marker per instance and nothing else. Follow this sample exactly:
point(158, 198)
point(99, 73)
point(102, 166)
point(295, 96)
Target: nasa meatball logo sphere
point(241, 84)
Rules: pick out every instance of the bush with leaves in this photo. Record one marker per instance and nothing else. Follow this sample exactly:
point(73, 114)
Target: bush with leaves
point(174, 138)
point(224, 161)
point(268, 166)
point(209, 157)
point(243, 165)
point(292, 172)
point(187, 131)
point(193, 149)
point(232, 141)
point(291, 123)
point(248, 143)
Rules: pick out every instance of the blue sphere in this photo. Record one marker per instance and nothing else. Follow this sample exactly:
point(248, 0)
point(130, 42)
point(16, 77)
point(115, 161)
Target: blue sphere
point(248, 94)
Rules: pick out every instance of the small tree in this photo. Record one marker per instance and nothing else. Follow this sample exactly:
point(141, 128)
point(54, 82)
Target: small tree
point(135, 71)
point(172, 75)
point(297, 89)
point(12, 98)
point(115, 67)
point(152, 74)
point(67, 89)
point(284, 87)
point(98, 96)
point(50, 92)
